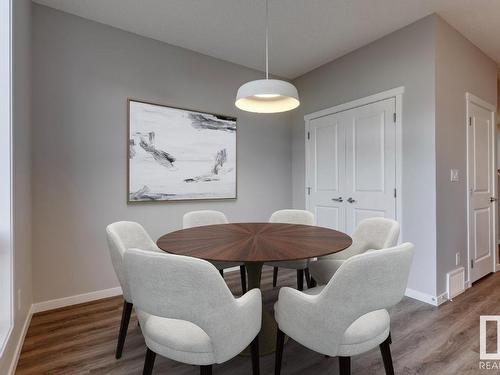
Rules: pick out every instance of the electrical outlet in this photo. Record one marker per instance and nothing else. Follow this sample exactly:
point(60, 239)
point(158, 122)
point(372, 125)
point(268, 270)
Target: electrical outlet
point(457, 259)
point(18, 299)
point(454, 175)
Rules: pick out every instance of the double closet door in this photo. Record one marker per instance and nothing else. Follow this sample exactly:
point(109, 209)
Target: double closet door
point(351, 165)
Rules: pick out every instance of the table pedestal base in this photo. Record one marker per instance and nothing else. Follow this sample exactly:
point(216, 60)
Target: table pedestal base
point(267, 334)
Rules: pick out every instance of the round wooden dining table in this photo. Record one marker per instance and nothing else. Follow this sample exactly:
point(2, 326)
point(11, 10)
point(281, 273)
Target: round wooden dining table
point(255, 244)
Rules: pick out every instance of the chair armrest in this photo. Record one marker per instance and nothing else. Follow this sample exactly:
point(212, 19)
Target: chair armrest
point(235, 325)
point(294, 311)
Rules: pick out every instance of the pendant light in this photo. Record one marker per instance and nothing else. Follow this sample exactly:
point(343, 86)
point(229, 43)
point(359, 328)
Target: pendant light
point(267, 95)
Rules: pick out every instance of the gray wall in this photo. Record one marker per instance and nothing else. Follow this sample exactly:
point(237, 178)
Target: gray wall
point(403, 58)
point(83, 74)
point(21, 135)
point(460, 67)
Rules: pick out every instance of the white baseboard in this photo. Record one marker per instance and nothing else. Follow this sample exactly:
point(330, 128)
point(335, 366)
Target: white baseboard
point(427, 298)
point(20, 342)
point(75, 300)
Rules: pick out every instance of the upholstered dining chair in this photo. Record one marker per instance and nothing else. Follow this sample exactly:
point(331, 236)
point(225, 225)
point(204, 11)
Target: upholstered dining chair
point(349, 315)
point(188, 314)
point(211, 217)
point(121, 236)
point(371, 234)
point(293, 217)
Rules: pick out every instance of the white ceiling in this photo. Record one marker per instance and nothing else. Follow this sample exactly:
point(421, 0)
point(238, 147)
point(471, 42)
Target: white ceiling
point(304, 33)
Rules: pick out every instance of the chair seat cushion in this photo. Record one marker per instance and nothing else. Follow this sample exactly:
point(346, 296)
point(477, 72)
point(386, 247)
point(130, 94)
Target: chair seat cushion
point(177, 339)
point(365, 333)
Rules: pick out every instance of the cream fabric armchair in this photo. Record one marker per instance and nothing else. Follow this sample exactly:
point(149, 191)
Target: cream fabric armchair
point(349, 315)
point(121, 236)
point(211, 217)
point(293, 217)
point(188, 314)
point(371, 234)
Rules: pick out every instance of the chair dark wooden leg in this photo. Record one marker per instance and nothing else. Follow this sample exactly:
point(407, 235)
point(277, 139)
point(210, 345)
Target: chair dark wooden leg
point(280, 342)
point(385, 349)
point(308, 278)
point(345, 365)
point(221, 272)
point(275, 276)
point(300, 280)
point(243, 275)
point(206, 370)
point(126, 311)
point(313, 283)
point(149, 362)
point(255, 356)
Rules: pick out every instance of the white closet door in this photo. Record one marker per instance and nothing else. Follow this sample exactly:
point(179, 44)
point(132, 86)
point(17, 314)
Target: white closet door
point(481, 188)
point(370, 179)
point(326, 171)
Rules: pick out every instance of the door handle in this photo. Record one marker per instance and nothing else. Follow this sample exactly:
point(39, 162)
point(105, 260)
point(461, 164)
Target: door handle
point(350, 200)
point(493, 199)
point(339, 199)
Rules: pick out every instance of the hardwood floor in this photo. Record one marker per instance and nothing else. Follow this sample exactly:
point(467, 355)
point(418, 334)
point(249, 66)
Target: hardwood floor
point(426, 340)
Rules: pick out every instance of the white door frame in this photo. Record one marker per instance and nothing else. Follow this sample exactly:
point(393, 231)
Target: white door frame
point(397, 94)
point(469, 99)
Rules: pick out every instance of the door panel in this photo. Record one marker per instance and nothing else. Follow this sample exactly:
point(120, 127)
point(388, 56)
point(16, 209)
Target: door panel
point(482, 229)
point(371, 162)
point(325, 170)
point(326, 157)
point(482, 162)
point(368, 152)
point(329, 217)
point(480, 151)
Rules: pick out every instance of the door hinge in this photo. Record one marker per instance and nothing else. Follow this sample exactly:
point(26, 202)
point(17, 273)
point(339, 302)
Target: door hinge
point(394, 117)
point(308, 191)
point(470, 121)
point(395, 193)
point(472, 263)
point(308, 135)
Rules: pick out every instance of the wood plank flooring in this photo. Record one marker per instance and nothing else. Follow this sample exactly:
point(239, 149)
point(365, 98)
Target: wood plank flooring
point(426, 340)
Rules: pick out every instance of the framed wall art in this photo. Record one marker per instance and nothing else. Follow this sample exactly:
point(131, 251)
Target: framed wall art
point(179, 154)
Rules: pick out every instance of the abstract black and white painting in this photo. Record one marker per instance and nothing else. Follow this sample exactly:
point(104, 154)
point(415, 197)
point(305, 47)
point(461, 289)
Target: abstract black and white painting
point(178, 154)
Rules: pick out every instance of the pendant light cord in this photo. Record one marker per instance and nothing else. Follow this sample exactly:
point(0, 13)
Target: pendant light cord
point(267, 39)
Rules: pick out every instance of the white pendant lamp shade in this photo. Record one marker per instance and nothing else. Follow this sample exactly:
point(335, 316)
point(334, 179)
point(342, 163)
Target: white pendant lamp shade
point(267, 96)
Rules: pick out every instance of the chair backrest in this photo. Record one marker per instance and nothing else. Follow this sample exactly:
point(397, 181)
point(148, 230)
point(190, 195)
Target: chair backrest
point(121, 236)
point(374, 233)
point(180, 287)
point(203, 217)
point(293, 217)
point(363, 283)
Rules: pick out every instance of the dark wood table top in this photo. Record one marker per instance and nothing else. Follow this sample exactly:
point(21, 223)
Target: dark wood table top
point(254, 242)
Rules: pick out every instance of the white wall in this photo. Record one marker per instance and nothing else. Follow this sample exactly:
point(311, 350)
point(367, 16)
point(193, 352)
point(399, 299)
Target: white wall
point(403, 58)
point(460, 67)
point(21, 125)
point(83, 74)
